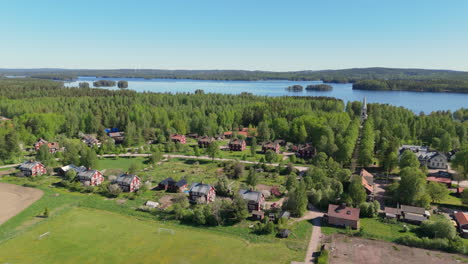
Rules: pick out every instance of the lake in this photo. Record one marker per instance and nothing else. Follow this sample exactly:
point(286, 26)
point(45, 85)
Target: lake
point(415, 101)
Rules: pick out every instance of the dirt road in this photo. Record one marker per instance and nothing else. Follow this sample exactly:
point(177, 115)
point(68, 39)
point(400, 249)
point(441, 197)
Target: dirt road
point(15, 198)
point(314, 243)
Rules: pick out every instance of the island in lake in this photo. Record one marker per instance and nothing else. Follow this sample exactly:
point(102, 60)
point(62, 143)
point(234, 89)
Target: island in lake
point(319, 87)
point(104, 83)
point(295, 88)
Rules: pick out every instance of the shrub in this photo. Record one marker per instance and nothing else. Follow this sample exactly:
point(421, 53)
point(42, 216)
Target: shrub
point(114, 190)
point(323, 257)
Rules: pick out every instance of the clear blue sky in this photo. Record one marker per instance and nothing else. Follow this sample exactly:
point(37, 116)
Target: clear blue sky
point(253, 34)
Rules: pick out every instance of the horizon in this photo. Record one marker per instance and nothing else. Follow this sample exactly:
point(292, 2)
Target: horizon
point(262, 36)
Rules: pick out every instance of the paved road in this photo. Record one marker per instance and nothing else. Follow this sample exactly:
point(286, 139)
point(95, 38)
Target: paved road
point(299, 168)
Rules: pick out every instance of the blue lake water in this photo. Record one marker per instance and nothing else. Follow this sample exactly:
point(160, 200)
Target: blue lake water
point(415, 101)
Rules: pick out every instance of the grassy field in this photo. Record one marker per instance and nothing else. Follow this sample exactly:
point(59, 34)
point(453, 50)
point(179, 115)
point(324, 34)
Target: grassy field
point(94, 236)
point(119, 163)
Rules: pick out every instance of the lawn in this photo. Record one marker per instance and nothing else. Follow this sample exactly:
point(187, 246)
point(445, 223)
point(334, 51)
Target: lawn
point(452, 201)
point(119, 163)
point(93, 236)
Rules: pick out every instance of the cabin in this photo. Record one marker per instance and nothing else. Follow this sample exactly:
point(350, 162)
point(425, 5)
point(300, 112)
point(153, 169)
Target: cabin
point(90, 177)
point(63, 170)
point(271, 145)
point(367, 180)
point(53, 146)
point(118, 137)
point(462, 223)
point(178, 139)
point(32, 168)
point(171, 185)
point(237, 144)
point(305, 151)
point(205, 141)
point(255, 200)
point(201, 193)
point(128, 182)
point(90, 140)
point(341, 215)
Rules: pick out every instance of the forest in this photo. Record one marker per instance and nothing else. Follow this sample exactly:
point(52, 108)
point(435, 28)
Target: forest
point(455, 86)
point(330, 76)
point(45, 109)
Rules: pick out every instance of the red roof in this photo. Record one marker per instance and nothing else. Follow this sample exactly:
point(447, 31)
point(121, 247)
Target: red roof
point(343, 212)
point(365, 173)
point(460, 189)
point(439, 180)
point(177, 136)
point(461, 218)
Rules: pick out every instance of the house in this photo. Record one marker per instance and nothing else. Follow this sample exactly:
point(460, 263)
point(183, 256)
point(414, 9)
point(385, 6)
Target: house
point(201, 193)
point(128, 182)
point(255, 200)
point(90, 177)
point(90, 140)
point(367, 180)
point(171, 185)
point(462, 223)
point(305, 151)
point(205, 141)
point(63, 170)
point(118, 137)
point(442, 180)
point(408, 213)
point(32, 168)
point(237, 144)
point(246, 132)
point(431, 159)
point(178, 139)
point(341, 215)
point(270, 145)
point(53, 146)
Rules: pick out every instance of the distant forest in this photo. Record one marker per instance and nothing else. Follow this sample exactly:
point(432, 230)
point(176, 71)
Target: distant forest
point(362, 78)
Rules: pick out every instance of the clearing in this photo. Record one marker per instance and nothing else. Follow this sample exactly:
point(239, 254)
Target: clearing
point(93, 236)
point(344, 250)
point(15, 198)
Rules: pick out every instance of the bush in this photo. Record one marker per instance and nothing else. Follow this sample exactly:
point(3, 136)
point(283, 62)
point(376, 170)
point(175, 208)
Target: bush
point(442, 228)
point(323, 257)
point(114, 190)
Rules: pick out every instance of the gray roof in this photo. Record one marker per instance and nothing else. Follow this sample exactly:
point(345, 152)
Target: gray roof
point(87, 174)
point(200, 188)
point(73, 167)
point(415, 217)
point(125, 179)
point(29, 165)
point(413, 209)
point(250, 195)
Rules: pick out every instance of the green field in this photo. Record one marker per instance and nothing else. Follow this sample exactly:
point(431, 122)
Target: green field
point(118, 163)
point(93, 236)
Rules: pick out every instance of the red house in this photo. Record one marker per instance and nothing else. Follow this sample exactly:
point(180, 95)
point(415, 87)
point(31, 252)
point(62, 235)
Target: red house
point(32, 168)
point(305, 151)
point(128, 182)
point(367, 180)
point(270, 145)
point(90, 177)
point(255, 200)
point(237, 144)
point(201, 193)
point(53, 146)
point(178, 139)
point(462, 223)
point(341, 215)
point(205, 141)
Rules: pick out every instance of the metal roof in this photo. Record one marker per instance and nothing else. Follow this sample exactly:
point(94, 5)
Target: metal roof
point(250, 195)
point(200, 188)
point(125, 179)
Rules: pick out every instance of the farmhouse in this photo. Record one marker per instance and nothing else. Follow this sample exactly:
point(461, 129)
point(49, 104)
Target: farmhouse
point(118, 137)
point(462, 223)
point(270, 145)
point(367, 180)
point(255, 200)
point(205, 141)
point(128, 182)
point(341, 215)
point(305, 151)
point(90, 177)
point(32, 168)
point(201, 193)
point(171, 185)
point(178, 139)
point(53, 146)
point(63, 170)
point(237, 144)
point(90, 140)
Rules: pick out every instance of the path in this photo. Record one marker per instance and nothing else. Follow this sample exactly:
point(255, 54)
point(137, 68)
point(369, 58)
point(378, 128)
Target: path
point(314, 243)
point(9, 166)
point(299, 168)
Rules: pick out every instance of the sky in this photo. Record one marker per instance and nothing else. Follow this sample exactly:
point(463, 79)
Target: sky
point(250, 35)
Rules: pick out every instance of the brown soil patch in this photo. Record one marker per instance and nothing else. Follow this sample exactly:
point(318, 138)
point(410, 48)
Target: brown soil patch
point(262, 187)
point(166, 201)
point(15, 198)
point(344, 250)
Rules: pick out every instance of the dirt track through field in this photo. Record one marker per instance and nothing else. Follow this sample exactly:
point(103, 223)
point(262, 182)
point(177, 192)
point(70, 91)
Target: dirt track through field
point(15, 198)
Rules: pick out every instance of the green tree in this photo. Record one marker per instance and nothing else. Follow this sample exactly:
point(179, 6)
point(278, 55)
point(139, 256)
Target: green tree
point(437, 191)
point(411, 189)
point(88, 158)
point(297, 201)
point(44, 155)
point(460, 164)
point(264, 132)
point(155, 157)
point(271, 156)
point(253, 147)
point(291, 182)
point(390, 162)
point(70, 175)
point(356, 191)
point(213, 150)
point(239, 207)
point(252, 178)
point(408, 159)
